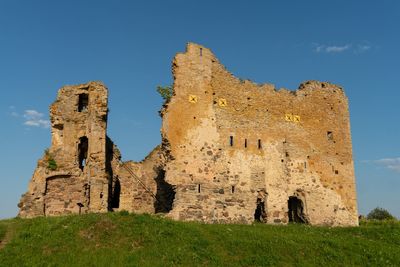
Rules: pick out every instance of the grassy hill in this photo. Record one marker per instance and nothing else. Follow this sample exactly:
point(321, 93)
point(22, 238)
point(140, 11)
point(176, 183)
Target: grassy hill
point(119, 239)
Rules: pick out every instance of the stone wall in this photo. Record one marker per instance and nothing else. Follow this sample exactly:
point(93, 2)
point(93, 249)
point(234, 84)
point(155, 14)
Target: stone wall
point(232, 152)
point(231, 139)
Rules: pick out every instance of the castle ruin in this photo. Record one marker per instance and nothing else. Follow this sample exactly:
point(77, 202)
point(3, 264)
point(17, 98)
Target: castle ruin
point(232, 151)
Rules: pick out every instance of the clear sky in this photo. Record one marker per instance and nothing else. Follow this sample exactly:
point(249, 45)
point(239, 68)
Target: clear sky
point(129, 46)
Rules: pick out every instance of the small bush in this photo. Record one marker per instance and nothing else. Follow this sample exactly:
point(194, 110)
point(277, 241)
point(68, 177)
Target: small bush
point(166, 92)
point(51, 162)
point(379, 214)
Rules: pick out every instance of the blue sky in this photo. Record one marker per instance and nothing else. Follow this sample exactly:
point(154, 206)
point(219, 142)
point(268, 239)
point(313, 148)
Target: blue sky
point(129, 46)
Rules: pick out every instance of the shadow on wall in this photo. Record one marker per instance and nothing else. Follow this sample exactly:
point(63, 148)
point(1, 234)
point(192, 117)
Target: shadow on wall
point(165, 193)
point(114, 183)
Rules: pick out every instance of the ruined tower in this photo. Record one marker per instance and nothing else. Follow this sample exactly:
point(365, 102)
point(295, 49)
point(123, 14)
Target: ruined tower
point(78, 180)
point(232, 152)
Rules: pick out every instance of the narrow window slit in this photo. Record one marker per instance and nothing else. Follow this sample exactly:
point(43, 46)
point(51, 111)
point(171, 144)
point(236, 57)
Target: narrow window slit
point(259, 144)
point(245, 143)
point(198, 188)
point(231, 140)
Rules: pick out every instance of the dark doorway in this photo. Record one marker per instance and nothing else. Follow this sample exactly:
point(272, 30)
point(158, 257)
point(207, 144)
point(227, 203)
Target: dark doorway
point(83, 102)
point(83, 151)
point(296, 211)
point(116, 192)
point(260, 215)
point(165, 194)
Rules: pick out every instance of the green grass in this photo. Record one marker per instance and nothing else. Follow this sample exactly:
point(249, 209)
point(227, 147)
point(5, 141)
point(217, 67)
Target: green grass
point(118, 239)
point(3, 229)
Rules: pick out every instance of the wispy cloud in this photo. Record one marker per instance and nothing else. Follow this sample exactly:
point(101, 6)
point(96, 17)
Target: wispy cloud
point(332, 48)
point(12, 111)
point(362, 48)
point(335, 49)
point(35, 119)
point(390, 163)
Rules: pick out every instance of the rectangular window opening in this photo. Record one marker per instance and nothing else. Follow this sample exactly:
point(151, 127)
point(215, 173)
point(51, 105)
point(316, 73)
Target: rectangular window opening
point(198, 188)
point(201, 51)
point(231, 140)
point(329, 134)
point(259, 144)
point(83, 102)
point(233, 189)
point(245, 143)
point(83, 151)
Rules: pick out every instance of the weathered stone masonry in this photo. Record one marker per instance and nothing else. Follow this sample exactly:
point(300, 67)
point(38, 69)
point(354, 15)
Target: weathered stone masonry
point(232, 152)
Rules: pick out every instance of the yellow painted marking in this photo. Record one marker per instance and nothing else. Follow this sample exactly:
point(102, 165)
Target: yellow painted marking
point(292, 118)
point(288, 117)
point(192, 98)
point(222, 102)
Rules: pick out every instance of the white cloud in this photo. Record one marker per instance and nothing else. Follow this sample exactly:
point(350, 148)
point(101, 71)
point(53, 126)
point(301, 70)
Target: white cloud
point(35, 119)
point(335, 49)
point(390, 163)
point(332, 48)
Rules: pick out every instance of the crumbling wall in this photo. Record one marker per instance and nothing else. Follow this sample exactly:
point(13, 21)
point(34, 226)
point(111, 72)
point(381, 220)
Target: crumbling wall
point(79, 182)
point(231, 139)
point(87, 174)
point(232, 152)
point(143, 188)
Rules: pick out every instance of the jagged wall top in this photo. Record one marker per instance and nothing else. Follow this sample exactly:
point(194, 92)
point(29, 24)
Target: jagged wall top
point(193, 50)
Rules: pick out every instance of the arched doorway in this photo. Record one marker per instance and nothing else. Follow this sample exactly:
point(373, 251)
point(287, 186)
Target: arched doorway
point(296, 210)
